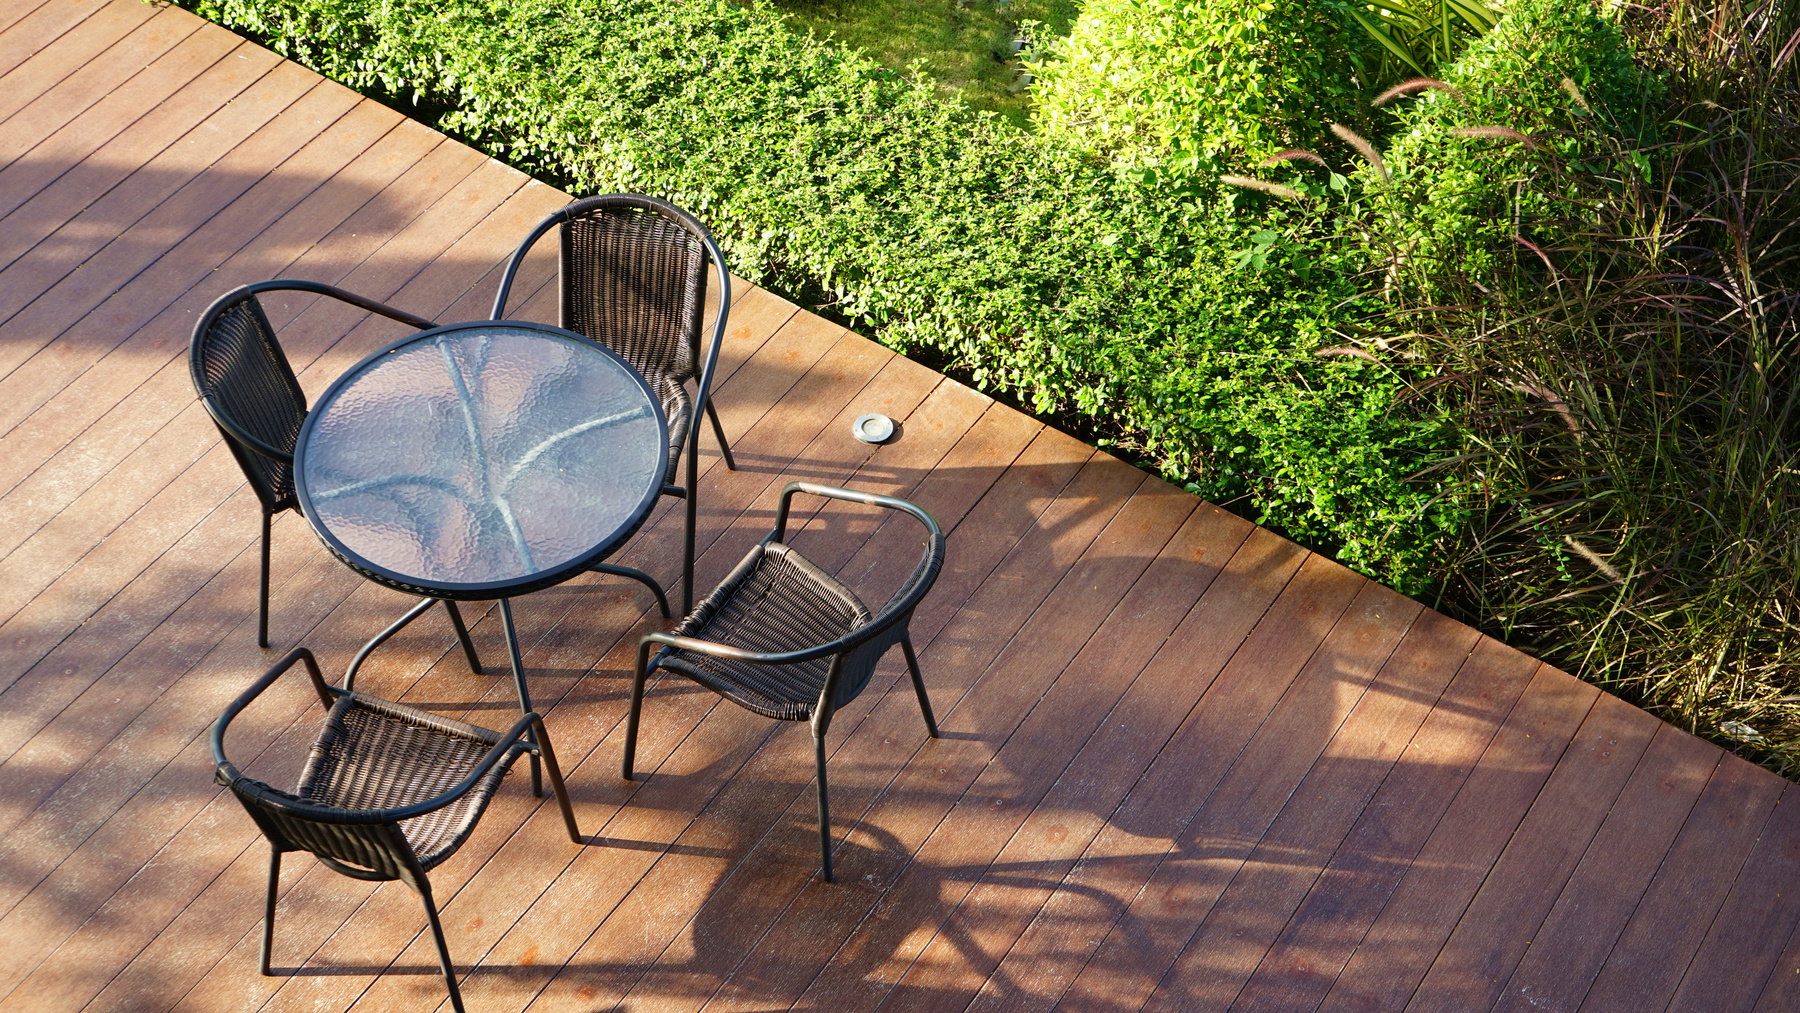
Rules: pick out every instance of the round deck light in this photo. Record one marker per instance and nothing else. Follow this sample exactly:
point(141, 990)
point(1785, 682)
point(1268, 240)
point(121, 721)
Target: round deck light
point(872, 428)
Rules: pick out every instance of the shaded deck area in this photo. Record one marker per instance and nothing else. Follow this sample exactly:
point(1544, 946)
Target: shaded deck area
point(1187, 765)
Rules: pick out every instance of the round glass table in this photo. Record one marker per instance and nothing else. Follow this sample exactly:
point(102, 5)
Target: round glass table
point(482, 460)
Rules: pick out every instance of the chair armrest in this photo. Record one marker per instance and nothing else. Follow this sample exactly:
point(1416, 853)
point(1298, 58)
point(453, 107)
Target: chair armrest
point(853, 496)
point(320, 288)
point(718, 650)
point(354, 817)
point(326, 695)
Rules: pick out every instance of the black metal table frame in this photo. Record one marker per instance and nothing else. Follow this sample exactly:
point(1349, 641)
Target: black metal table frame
point(485, 590)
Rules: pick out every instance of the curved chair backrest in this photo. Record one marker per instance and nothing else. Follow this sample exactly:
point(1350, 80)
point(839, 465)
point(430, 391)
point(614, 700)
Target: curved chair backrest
point(362, 845)
point(244, 379)
point(633, 277)
point(375, 851)
point(248, 386)
point(864, 646)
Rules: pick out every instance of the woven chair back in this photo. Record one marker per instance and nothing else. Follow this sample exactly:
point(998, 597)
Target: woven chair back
point(635, 281)
point(242, 368)
point(892, 621)
point(349, 848)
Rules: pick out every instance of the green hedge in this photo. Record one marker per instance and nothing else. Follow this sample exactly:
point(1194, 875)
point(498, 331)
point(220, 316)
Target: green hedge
point(1180, 326)
point(1202, 85)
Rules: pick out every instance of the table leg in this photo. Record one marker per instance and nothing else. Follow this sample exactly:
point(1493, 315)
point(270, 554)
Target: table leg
point(518, 667)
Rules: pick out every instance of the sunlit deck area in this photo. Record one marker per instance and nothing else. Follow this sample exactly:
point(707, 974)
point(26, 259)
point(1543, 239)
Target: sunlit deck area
point(1186, 764)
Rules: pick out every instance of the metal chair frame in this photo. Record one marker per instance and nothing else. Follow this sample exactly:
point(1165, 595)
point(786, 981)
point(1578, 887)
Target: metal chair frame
point(567, 267)
point(862, 646)
point(268, 467)
point(368, 844)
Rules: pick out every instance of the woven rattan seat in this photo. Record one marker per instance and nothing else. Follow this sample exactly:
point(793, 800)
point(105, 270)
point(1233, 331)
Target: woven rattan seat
point(248, 387)
point(633, 277)
point(374, 754)
point(782, 638)
point(776, 602)
point(389, 791)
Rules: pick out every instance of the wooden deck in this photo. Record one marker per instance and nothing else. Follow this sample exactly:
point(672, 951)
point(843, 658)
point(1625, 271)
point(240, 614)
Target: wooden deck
point(1186, 765)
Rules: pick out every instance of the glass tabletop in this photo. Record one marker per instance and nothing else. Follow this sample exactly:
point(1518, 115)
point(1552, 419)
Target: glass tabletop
point(482, 458)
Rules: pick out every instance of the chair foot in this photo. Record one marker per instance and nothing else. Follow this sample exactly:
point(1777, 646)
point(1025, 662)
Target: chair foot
point(719, 433)
point(918, 681)
point(268, 935)
point(824, 807)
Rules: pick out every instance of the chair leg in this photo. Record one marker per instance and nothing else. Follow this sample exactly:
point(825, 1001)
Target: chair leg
point(556, 782)
point(719, 431)
point(462, 635)
point(518, 667)
point(262, 616)
point(687, 556)
point(443, 948)
point(268, 940)
point(824, 808)
point(912, 665)
point(637, 705)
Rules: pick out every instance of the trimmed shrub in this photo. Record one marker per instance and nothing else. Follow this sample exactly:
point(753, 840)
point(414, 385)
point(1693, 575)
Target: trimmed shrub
point(1200, 85)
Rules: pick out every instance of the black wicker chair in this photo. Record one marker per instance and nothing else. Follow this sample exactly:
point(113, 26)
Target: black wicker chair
point(244, 380)
point(782, 638)
point(389, 792)
point(633, 278)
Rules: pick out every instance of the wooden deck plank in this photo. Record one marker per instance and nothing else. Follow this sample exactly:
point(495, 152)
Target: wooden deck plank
point(1226, 605)
point(57, 377)
point(46, 44)
point(1320, 814)
point(1658, 944)
point(1430, 899)
point(1058, 784)
point(1734, 962)
point(1210, 796)
point(1325, 928)
point(1506, 913)
point(170, 145)
point(1782, 991)
point(108, 94)
point(1154, 886)
point(1254, 792)
point(1568, 949)
point(14, 13)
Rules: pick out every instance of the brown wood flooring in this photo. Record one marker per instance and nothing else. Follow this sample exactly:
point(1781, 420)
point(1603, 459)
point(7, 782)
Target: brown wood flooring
point(1186, 765)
